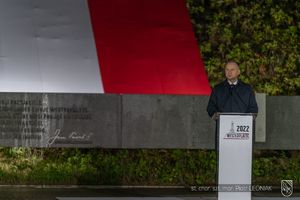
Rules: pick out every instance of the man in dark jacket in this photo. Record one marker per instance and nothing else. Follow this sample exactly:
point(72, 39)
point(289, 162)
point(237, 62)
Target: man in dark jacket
point(231, 95)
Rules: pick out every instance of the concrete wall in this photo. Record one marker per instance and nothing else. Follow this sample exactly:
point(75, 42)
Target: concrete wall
point(134, 121)
point(160, 121)
point(282, 123)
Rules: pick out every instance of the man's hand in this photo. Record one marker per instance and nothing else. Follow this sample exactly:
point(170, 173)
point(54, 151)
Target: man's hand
point(254, 115)
point(216, 116)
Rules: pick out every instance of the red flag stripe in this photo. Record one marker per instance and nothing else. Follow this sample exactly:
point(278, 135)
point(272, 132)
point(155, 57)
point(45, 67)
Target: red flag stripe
point(147, 47)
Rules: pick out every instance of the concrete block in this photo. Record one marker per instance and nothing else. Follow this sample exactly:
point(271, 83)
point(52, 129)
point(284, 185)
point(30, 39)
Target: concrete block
point(166, 121)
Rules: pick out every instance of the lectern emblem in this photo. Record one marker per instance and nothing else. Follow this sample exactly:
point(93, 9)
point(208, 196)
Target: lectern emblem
point(286, 187)
point(241, 134)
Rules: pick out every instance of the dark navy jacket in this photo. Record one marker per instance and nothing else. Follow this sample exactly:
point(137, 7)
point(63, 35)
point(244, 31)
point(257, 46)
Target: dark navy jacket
point(226, 98)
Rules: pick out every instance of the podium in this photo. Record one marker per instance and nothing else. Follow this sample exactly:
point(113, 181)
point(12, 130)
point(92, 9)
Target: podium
point(234, 145)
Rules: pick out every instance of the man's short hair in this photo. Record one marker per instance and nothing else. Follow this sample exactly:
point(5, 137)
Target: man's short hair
point(231, 62)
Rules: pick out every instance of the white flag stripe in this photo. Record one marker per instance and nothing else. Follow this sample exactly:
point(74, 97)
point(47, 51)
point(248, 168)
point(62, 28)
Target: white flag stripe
point(47, 46)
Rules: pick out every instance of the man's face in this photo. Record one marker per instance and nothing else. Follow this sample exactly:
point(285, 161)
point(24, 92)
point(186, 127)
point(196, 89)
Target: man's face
point(232, 71)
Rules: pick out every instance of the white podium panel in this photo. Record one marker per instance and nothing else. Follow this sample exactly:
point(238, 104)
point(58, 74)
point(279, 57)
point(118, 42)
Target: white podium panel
point(235, 156)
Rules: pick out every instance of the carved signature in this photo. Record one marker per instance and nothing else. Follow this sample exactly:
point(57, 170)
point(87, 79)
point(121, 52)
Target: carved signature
point(71, 137)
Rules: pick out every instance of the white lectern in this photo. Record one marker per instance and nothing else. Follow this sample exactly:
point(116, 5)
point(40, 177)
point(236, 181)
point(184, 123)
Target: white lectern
point(235, 136)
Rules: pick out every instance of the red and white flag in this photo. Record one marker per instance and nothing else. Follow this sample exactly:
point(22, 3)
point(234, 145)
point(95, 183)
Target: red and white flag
point(99, 46)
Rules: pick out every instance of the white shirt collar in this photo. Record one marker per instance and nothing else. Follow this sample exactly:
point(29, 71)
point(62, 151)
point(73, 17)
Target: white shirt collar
point(234, 83)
